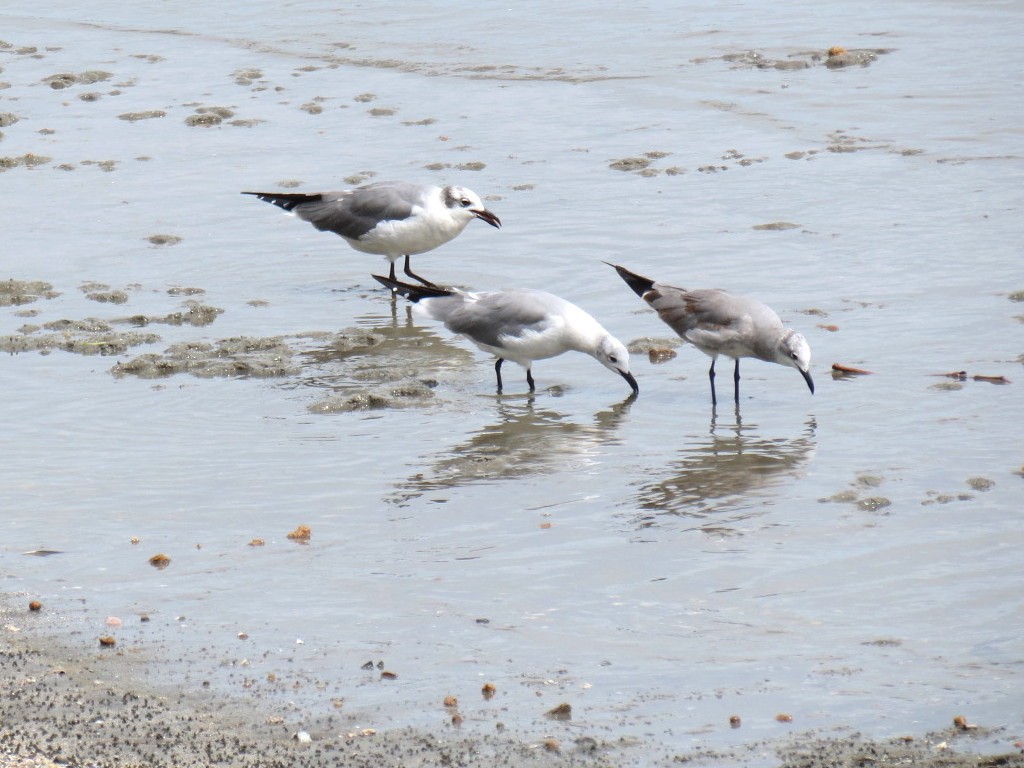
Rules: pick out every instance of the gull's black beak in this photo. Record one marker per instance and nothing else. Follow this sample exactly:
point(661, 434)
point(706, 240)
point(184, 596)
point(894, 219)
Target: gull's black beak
point(808, 379)
point(636, 387)
point(489, 217)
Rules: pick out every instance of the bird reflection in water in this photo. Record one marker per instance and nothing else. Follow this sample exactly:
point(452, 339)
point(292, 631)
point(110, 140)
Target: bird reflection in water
point(715, 474)
point(522, 441)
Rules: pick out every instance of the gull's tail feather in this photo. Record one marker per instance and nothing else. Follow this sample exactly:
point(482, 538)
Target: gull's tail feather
point(412, 292)
point(286, 200)
point(638, 283)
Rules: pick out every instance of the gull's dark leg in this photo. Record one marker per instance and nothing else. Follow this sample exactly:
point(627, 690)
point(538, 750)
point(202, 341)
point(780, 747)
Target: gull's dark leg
point(497, 371)
point(414, 276)
point(711, 376)
point(391, 275)
point(736, 381)
point(529, 380)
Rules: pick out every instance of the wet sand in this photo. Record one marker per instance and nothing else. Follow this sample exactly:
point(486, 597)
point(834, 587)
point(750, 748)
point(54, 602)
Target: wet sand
point(65, 701)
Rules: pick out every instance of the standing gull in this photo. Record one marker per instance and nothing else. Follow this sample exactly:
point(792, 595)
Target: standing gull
point(521, 325)
point(388, 218)
point(719, 323)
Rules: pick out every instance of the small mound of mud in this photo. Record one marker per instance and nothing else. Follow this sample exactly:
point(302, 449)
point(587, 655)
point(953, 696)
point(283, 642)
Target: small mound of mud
point(208, 116)
point(343, 343)
point(147, 115)
point(247, 76)
point(630, 164)
point(107, 297)
point(835, 57)
point(760, 61)
point(67, 79)
point(412, 394)
point(648, 344)
point(82, 337)
point(164, 239)
point(241, 356)
point(776, 226)
point(28, 160)
point(195, 314)
point(203, 121)
point(8, 119)
point(18, 292)
point(103, 293)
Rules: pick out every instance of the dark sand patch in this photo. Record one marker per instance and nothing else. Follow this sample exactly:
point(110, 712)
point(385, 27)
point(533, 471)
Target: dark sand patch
point(66, 700)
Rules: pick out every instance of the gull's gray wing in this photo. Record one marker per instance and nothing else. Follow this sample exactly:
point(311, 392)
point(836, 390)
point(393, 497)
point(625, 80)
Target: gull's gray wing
point(684, 311)
point(351, 213)
point(714, 319)
point(493, 316)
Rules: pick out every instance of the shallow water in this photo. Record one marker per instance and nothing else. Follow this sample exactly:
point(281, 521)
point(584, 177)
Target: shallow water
point(661, 567)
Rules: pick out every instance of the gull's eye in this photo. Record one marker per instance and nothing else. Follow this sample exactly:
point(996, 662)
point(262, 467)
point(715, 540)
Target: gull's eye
point(466, 202)
point(612, 359)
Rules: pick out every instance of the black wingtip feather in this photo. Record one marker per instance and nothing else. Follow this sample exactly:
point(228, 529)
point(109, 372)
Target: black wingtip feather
point(638, 283)
point(412, 292)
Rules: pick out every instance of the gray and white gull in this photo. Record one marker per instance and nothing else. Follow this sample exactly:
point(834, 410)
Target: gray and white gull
point(720, 323)
point(388, 218)
point(521, 325)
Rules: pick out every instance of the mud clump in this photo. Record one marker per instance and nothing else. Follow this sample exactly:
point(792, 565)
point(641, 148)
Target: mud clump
point(835, 57)
point(18, 292)
point(82, 337)
point(648, 344)
point(413, 394)
point(27, 160)
point(209, 116)
point(630, 164)
point(164, 239)
point(203, 121)
point(103, 293)
point(67, 79)
point(242, 356)
point(195, 314)
point(776, 226)
point(147, 115)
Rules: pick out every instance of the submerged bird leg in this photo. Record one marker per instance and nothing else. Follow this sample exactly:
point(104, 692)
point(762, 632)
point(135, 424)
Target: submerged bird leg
point(529, 380)
point(497, 371)
point(736, 382)
point(711, 377)
point(413, 275)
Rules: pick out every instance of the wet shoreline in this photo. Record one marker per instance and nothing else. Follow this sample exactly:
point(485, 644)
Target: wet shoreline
point(66, 701)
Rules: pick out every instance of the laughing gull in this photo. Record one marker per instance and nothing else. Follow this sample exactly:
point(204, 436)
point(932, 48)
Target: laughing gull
point(389, 218)
point(719, 323)
point(521, 325)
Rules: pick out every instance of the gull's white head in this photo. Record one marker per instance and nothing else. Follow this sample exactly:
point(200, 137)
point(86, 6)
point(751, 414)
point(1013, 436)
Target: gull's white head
point(465, 205)
point(796, 352)
point(614, 356)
